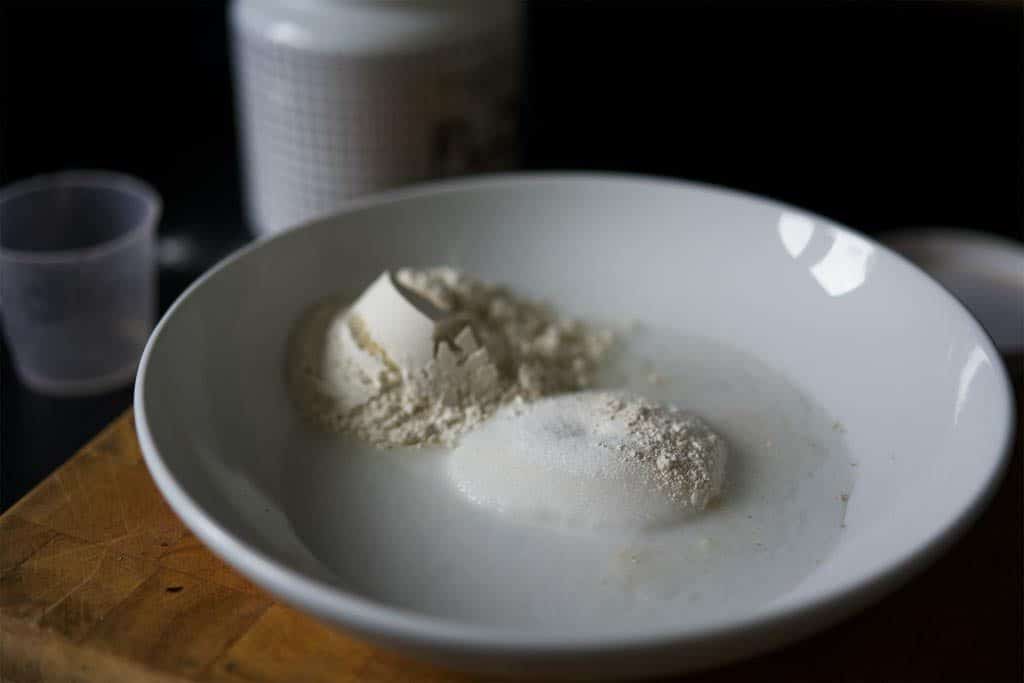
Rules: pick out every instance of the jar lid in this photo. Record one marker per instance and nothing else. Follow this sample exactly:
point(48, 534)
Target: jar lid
point(985, 272)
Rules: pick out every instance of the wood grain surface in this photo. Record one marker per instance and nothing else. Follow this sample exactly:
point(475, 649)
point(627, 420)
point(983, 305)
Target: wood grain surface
point(99, 581)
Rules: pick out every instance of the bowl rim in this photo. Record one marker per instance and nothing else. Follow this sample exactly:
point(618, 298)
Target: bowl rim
point(414, 629)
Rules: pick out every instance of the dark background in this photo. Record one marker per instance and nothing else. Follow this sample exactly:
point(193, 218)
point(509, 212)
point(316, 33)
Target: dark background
point(879, 115)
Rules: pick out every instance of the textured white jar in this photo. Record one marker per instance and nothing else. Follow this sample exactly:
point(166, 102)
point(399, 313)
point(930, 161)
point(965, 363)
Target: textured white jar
point(338, 98)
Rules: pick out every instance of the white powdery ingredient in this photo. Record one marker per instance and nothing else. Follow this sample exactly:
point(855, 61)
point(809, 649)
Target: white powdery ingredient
point(593, 459)
point(493, 348)
point(686, 458)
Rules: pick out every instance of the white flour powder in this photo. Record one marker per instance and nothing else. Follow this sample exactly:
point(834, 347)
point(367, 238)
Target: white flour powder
point(685, 457)
point(492, 348)
point(592, 459)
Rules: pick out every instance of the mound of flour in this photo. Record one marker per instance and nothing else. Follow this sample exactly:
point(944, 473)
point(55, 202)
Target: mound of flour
point(685, 457)
point(592, 459)
point(492, 348)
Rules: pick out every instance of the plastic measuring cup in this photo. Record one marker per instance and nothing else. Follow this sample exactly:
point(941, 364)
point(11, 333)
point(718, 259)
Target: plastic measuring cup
point(77, 278)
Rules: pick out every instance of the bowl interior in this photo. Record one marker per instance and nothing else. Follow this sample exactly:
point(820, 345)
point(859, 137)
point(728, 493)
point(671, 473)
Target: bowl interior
point(917, 385)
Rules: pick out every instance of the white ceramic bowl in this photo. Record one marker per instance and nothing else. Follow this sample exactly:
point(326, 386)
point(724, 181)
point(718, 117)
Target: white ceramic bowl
point(918, 385)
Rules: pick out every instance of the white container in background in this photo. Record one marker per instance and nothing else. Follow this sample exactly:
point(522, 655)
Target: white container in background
point(338, 98)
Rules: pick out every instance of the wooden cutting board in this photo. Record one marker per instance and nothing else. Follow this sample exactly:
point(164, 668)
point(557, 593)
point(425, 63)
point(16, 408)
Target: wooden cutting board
point(99, 581)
